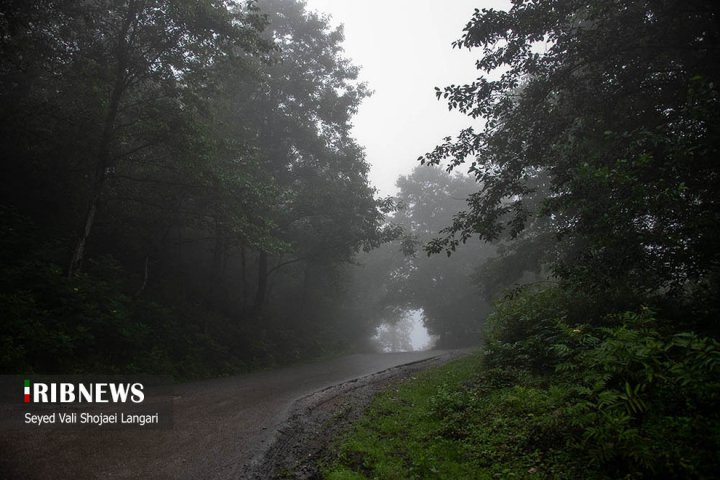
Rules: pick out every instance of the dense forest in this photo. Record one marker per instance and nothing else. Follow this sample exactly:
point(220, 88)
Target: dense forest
point(598, 191)
point(597, 167)
point(180, 192)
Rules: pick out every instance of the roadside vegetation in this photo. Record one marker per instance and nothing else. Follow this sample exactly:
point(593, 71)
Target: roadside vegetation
point(550, 396)
point(597, 170)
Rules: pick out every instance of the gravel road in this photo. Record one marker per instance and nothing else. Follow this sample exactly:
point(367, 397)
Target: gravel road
point(222, 427)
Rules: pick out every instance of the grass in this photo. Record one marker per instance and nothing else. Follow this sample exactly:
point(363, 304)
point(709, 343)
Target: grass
point(403, 437)
point(461, 421)
point(477, 418)
point(549, 399)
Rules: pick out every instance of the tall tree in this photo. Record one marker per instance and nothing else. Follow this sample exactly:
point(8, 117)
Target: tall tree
point(613, 106)
point(182, 153)
point(303, 110)
point(135, 59)
point(397, 278)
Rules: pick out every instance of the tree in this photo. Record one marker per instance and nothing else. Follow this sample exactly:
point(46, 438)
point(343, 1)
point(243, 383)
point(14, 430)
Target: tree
point(303, 107)
point(396, 336)
point(177, 150)
point(396, 278)
point(602, 129)
point(138, 63)
point(453, 307)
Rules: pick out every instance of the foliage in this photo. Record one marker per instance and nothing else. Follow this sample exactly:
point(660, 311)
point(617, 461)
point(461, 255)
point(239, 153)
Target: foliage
point(521, 330)
point(550, 398)
point(601, 129)
point(442, 288)
point(633, 401)
point(395, 336)
point(188, 168)
point(617, 401)
point(596, 163)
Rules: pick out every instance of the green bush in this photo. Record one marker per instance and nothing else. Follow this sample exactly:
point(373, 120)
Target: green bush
point(612, 398)
point(87, 324)
point(521, 328)
point(623, 399)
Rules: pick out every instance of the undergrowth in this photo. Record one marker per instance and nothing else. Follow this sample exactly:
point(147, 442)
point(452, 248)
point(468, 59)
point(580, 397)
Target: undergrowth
point(551, 397)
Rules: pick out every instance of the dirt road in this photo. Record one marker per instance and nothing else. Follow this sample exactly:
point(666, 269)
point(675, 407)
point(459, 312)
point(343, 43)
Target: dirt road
point(220, 427)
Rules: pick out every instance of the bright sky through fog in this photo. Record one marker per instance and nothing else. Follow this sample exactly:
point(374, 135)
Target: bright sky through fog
point(404, 49)
point(419, 335)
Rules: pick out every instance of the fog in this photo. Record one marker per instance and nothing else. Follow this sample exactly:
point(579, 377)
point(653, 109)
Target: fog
point(403, 62)
point(226, 194)
point(405, 335)
point(208, 189)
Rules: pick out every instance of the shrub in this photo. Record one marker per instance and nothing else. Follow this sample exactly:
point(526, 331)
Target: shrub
point(628, 399)
point(521, 328)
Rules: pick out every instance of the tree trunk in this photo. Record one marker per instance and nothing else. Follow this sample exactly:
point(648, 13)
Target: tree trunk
point(79, 250)
point(262, 281)
point(218, 252)
point(243, 276)
point(146, 276)
point(103, 158)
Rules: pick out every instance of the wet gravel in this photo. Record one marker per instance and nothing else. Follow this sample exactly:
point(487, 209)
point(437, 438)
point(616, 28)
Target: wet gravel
point(306, 440)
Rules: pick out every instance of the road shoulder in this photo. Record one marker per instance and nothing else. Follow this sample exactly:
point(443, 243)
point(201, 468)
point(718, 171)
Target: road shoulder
point(316, 420)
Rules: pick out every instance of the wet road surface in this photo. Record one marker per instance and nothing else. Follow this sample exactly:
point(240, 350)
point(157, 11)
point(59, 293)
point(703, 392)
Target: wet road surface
point(220, 426)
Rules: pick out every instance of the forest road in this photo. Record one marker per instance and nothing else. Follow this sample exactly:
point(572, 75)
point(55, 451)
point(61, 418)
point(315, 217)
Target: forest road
point(221, 427)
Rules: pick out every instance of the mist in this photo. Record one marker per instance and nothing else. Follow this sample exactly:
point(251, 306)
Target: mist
point(287, 209)
point(196, 204)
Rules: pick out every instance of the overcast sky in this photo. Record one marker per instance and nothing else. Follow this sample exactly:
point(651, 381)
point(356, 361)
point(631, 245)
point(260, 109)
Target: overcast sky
point(404, 49)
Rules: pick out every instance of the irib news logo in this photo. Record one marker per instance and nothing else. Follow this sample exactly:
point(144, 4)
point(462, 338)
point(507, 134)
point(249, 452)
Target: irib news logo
point(86, 401)
point(64, 392)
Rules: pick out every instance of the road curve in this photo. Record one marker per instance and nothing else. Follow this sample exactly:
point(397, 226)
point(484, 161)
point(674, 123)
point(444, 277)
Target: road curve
point(220, 426)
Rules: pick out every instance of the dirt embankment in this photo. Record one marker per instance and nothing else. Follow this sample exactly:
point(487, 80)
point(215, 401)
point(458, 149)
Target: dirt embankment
point(317, 420)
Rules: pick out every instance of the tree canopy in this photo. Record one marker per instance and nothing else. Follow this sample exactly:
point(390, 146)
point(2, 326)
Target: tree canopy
point(601, 128)
point(183, 165)
point(597, 164)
